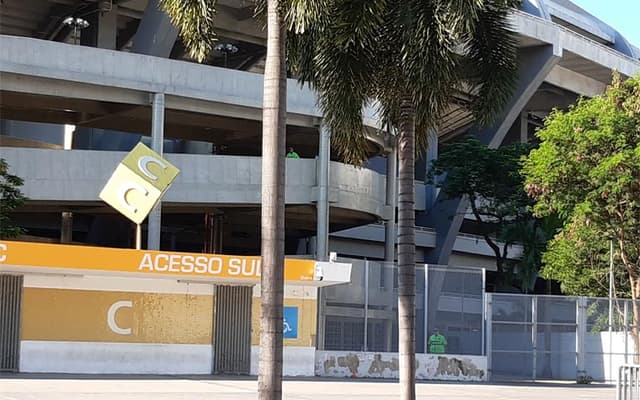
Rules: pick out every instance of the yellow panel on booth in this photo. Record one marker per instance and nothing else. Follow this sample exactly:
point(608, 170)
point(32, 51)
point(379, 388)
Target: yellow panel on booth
point(107, 316)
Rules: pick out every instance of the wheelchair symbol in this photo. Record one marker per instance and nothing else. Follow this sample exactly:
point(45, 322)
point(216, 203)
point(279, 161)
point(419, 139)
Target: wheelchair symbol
point(285, 326)
point(290, 322)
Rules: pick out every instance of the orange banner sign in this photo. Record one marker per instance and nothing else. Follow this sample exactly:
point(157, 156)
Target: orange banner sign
point(38, 257)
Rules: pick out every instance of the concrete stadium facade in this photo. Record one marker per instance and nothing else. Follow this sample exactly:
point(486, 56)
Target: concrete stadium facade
point(72, 103)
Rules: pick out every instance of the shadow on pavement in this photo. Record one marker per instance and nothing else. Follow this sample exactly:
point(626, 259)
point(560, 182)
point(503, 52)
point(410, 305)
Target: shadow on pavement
point(57, 376)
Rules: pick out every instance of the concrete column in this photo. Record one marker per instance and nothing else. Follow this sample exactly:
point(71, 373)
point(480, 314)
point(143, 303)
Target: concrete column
point(213, 232)
point(108, 28)
point(157, 138)
point(322, 205)
point(432, 155)
point(392, 199)
point(524, 127)
point(66, 230)
point(156, 34)
point(102, 29)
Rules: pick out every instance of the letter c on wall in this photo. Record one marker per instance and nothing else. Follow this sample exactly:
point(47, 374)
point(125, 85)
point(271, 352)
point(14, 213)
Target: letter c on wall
point(111, 317)
point(3, 249)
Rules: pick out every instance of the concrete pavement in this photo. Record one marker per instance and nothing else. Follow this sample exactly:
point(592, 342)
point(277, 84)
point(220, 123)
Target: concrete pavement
point(82, 387)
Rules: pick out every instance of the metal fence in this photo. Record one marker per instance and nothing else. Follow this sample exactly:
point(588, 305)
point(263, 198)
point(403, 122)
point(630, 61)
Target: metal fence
point(524, 337)
point(363, 315)
point(557, 337)
point(10, 305)
point(628, 384)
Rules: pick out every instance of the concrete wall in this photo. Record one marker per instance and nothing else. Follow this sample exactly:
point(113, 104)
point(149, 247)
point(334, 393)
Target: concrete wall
point(298, 360)
point(118, 358)
point(344, 364)
point(224, 89)
point(79, 175)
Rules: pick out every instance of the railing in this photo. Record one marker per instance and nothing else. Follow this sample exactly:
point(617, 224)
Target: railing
point(592, 42)
point(628, 385)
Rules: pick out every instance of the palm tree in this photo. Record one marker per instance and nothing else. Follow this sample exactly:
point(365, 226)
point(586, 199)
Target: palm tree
point(195, 18)
point(274, 114)
point(409, 58)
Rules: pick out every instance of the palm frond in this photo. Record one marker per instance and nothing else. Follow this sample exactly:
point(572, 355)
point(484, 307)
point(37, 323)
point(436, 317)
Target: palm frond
point(359, 51)
point(492, 49)
point(194, 19)
point(301, 15)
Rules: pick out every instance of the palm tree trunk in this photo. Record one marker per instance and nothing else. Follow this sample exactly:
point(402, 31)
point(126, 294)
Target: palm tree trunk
point(273, 176)
point(406, 253)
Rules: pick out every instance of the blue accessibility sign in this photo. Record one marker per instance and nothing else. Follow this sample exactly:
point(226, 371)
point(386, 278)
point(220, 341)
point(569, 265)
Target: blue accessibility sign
point(290, 323)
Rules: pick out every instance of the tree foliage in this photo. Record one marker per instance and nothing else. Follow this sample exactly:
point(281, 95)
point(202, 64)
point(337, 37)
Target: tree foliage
point(578, 258)
point(587, 170)
point(491, 180)
point(423, 53)
point(10, 198)
point(195, 20)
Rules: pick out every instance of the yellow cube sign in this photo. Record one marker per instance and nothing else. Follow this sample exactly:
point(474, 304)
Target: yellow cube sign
point(138, 183)
point(148, 165)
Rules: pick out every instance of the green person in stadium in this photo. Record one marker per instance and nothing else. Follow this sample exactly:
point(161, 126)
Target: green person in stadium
point(437, 342)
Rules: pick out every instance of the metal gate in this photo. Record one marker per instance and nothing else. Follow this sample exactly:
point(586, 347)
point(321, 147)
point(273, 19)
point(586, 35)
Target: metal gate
point(534, 337)
point(232, 337)
point(10, 304)
point(628, 383)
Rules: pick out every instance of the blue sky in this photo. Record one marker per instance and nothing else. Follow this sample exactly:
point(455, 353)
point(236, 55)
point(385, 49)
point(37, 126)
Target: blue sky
point(623, 15)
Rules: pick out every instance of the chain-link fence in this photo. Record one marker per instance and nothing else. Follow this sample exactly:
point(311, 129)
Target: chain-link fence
point(557, 337)
point(453, 296)
point(524, 337)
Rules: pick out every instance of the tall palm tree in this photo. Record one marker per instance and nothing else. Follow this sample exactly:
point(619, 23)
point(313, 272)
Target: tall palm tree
point(274, 115)
point(195, 18)
point(409, 58)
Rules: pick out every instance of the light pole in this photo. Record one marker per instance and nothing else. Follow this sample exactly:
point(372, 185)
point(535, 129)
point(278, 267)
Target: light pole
point(77, 24)
point(226, 49)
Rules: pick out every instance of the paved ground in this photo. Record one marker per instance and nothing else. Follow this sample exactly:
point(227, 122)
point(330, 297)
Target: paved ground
point(61, 387)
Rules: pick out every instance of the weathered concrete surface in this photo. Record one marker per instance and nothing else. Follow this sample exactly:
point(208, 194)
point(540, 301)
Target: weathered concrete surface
point(342, 364)
point(65, 387)
point(79, 175)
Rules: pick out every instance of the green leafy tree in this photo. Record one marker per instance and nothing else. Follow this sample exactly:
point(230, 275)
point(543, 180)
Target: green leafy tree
point(587, 170)
point(10, 198)
point(409, 58)
point(578, 258)
point(534, 234)
point(491, 180)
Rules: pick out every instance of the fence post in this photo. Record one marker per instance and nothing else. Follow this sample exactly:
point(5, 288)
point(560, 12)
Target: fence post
point(484, 319)
point(625, 323)
point(534, 335)
point(426, 308)
point(366, 304)
point(581, 329)
point(487, 344)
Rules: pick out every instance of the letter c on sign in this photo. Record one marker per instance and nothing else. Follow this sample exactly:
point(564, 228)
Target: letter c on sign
point(126, 188)
point(111, 317)
point(3, 249)
point(146, 160)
